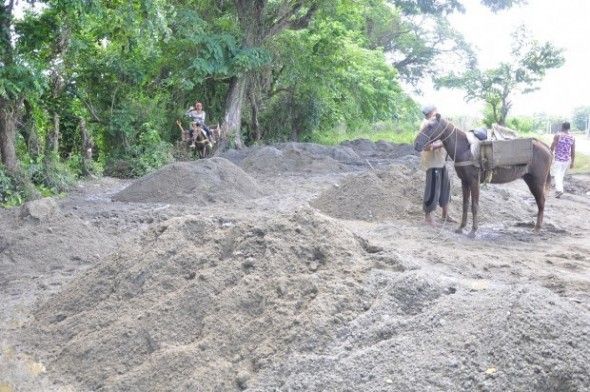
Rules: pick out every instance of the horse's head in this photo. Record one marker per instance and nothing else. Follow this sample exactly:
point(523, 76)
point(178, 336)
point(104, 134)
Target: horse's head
point(430, 130)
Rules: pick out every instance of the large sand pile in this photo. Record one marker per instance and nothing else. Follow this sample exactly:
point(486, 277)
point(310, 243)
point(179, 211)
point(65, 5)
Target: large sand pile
point(295, 158)
point(376, 195)
point(201, 305)
point(396, 194)
point(300, 303)
point(200, 182)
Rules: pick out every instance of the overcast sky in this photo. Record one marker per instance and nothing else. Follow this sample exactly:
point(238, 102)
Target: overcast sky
point(565, 23)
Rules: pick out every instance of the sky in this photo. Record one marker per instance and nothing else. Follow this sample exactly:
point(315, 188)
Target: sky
point(564, 23)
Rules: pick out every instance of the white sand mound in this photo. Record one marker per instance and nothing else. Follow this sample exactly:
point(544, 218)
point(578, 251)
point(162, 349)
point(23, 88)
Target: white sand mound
point(203, 181)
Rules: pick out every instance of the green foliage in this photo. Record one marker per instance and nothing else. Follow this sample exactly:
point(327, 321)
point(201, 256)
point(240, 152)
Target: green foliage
point(325, 76)
point(530, 62)
point(148, 154)
point(9, 195)
point(521, 124)
point(129, 69)
point(391, 131)
point(582, 163)
point(580, 117)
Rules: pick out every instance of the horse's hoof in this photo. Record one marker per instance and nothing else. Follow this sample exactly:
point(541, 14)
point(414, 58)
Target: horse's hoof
point(471, 234)
point(459, 230)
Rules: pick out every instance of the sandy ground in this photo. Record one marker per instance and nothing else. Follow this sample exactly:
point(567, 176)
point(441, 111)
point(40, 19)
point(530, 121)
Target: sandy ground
point(310, 272)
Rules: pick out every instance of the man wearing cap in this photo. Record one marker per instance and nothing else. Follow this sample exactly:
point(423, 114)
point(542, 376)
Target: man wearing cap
point(437, 190)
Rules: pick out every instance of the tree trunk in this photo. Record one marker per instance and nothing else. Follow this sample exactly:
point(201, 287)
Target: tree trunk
point(257, 27)
point(87, 148)
point(504, 110)
point(29, 132)
point(233, 110)
point(254, 107)
point(52, 141)
point(8, 136)
point(294, 128)
point(8, 117)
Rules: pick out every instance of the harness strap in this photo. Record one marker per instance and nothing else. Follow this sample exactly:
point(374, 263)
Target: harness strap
point(467, 163)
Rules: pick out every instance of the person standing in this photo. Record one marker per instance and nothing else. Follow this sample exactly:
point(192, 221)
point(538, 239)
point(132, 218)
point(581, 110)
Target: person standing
point(437, 190)
point(564, 150)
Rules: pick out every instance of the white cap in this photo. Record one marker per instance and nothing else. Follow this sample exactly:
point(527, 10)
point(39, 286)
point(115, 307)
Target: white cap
point(427, 109)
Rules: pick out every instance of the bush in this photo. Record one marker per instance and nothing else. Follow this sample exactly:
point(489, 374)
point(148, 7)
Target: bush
point(150, 153)
point(9, 196)
point(521, 124)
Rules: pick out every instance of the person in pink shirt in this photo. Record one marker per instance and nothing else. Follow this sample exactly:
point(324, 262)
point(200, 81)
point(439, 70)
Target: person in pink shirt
point(564, 150)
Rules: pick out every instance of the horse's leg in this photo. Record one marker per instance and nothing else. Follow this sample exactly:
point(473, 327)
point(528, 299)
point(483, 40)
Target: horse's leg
point(466, 194)
point(537, 188)
point(474, 206)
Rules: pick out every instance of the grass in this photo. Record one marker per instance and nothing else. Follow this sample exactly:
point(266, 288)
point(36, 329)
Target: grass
point(582, 164)
point(387, 131)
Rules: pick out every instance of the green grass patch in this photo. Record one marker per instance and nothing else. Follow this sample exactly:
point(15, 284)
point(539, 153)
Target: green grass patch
point(387, 131)
point(581, 164)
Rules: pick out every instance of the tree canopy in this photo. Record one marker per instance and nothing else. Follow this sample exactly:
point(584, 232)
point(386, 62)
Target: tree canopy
point(530, 62)
point(87, 86)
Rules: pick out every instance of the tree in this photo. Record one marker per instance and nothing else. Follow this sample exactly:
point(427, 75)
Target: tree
point(259, 21)
point(418, 35)
point(327, 74)
point(16, 80)
point(531, 60)
point(581, 117)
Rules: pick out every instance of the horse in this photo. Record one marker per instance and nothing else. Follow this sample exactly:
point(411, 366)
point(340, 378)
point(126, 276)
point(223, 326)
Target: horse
point(535, 174)
point(197, 138)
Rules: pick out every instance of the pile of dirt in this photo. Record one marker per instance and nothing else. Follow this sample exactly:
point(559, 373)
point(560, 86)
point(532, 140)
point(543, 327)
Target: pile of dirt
point(295, 158)
point(397, 194)
point(202, 302)
point(415, 337)
point(38, 243)
point(300, 303)
point(200, 182)
point(269, 160)
point(376, 195)
point(380, 150)
point(341, 154)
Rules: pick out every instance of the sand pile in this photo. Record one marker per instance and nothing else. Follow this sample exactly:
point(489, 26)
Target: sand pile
point(375, 195)
point(52, 241)
point(300, 303)
point(419, 335)
point(380, 150)
point(397, 194)
point(290, 160)
point(198, 303)
point(199, 182)
point(342, 154)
